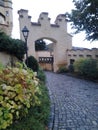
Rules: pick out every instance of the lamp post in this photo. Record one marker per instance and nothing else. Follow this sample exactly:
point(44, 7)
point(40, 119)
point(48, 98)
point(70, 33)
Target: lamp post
point(25, 33)
point(52, 60)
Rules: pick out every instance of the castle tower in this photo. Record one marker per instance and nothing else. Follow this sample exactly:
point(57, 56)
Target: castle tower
point(6, 17)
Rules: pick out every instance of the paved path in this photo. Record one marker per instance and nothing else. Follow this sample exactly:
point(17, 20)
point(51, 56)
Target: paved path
point(74, 103)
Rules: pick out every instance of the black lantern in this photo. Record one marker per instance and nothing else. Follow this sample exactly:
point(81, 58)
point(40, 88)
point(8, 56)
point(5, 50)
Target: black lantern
point(25, 33)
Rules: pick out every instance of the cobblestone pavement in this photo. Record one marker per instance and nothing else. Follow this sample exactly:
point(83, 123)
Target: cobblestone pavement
point(74, 103)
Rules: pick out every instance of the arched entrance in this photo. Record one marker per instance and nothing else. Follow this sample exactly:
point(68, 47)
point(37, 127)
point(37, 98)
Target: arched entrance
point(44, 49)
point(44, 29)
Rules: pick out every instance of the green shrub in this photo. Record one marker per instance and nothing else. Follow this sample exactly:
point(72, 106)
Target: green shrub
point(32, 63)
point(40, 75)
point(19, 90)
point(37, 116)
point(11, 46)
point(71, 68)
point(62, 69)
point(87, 68)
point(78, 65)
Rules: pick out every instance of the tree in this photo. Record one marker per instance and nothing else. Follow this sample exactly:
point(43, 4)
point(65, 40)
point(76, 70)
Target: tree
point(85, 18)
point(40, 45)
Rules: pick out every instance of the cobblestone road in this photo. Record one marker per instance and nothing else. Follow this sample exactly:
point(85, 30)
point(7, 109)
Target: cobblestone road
point(74, 103)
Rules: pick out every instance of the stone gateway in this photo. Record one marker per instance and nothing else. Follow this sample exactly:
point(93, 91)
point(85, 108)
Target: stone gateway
point(63, 52)
point(57, 33)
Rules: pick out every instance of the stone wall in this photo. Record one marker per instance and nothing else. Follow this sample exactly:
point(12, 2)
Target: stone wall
point(6, 16)
point(7, 59)
point(77, 53)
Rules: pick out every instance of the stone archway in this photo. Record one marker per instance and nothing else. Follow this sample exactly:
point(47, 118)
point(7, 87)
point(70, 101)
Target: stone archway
point(45, 53)
point(44, 29)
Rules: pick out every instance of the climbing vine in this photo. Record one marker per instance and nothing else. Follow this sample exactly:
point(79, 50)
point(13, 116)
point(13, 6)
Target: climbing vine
point(11, 46)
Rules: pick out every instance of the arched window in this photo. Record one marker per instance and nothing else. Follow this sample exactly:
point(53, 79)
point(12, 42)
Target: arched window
point(2, 18)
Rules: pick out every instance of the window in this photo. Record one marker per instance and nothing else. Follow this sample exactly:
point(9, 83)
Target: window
point(72, 61)
point(81, 55)
point(74, 55)
point(21, 16)
point(96, 56)
point(41, 18)
point(7, 13)
point(88, 55)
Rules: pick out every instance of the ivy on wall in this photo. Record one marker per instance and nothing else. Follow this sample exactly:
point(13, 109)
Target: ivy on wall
point(11, 46)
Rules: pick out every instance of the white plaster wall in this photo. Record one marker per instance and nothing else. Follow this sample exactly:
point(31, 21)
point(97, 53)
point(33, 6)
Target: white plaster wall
point(43, 29)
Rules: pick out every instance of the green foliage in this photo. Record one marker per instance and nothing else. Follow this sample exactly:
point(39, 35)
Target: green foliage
point(32, 63)
point(14, 47)
point(62, 69)
point(78, 65)
point(1, 66)
point(18, 48)
point(41, 76)
point(71, 68)
point(19, 90)
point(87, 68)
point(40, 45)
point(85, 18)
point(37, 116)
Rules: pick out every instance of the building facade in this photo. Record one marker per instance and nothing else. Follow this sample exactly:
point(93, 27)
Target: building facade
point(43, 29)
point(77, 53)
point(62, 50)
point(6, 16)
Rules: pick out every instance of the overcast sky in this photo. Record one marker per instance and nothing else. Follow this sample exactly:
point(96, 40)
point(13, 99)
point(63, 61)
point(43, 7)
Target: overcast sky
point(53, 7)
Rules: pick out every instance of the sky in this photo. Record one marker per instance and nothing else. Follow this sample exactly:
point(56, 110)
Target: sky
point(54, 8)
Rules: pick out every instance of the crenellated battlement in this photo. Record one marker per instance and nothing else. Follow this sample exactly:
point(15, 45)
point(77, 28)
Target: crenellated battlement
point(44, 19)
point(24, 14)
point(61, 21)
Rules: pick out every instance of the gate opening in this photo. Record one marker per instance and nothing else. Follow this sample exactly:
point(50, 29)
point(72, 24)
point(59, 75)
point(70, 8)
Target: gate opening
point(44, 52)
